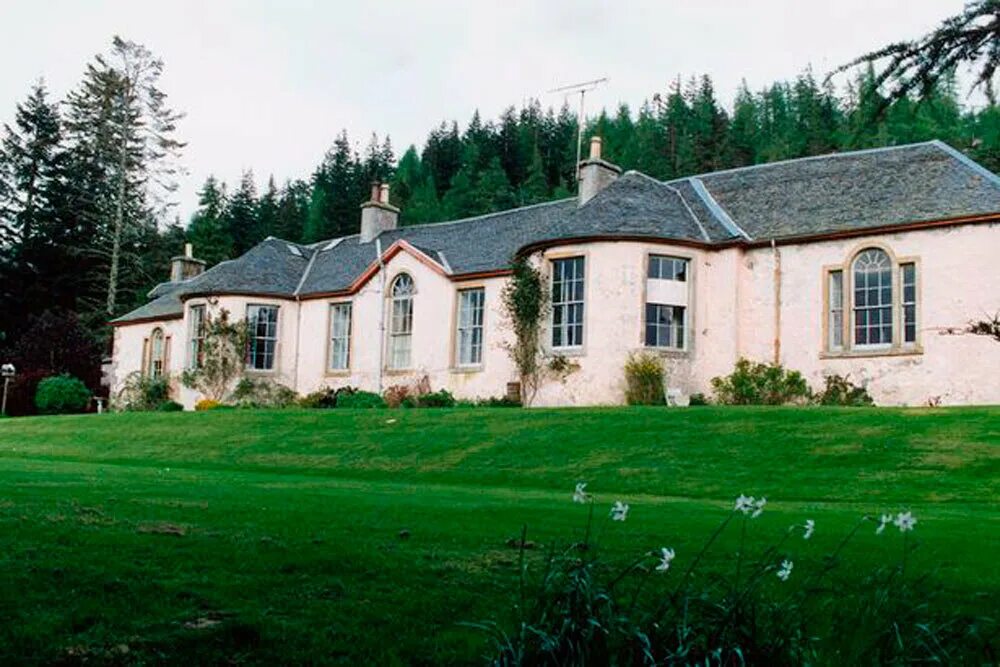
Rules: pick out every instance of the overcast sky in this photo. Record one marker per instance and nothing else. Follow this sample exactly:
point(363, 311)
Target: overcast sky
point(267, 85)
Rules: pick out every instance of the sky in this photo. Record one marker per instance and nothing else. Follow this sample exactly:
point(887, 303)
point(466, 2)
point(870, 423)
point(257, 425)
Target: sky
point(267, 86)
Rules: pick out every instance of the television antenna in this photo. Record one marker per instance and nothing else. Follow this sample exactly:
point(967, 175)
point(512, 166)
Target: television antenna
point(583, 88)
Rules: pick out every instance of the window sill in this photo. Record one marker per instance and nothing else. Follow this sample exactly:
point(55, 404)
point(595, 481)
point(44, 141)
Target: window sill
point(339, 372)
point(916, 350)
point(467, 370)
point(398, 371)
point(565, 352)
point(261, 372)
point(669, 352)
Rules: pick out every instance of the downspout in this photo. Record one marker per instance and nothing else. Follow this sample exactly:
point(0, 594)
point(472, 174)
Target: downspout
point(381, 312)
point(777, 302)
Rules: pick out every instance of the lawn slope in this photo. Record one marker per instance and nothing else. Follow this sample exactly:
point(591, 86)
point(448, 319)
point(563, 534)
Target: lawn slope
point(368, 535)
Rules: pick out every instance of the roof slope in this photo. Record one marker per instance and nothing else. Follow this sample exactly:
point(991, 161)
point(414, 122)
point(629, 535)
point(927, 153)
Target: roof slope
point(781, 200)
point(851, 191)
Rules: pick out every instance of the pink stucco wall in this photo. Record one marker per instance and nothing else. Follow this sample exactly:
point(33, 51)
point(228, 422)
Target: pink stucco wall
point(731, 314)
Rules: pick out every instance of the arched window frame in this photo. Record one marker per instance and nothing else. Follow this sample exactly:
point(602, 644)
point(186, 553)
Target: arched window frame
point(157, 353)
point(839, 315)
point(400, 329)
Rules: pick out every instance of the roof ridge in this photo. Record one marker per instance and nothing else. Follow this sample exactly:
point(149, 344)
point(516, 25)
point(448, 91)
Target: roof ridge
point(715, 208)
point(305, 272)
point(808, 158)
point(482, 215)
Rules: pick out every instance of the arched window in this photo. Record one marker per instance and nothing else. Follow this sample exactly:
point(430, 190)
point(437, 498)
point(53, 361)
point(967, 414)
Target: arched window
point(157, 353)
point(871, 305)
point(401, 322)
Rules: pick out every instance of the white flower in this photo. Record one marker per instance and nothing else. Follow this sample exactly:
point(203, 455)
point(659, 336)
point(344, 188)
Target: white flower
point(883, 522)
point(809, 528)
point(667, 555)
point(619, 511)
point(744, 504)
point(786, 570)
point(905, 521)
point(580, 495)
point(758, 508)
point(390, 421)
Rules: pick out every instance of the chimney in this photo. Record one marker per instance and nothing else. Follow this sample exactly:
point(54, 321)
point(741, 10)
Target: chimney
point(595, 173)
point(185, 266)
point(377, 214)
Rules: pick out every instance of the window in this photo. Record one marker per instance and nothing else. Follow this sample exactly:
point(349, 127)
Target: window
point(835, 323)
point(908, 280)
point(263, 325)
point(665, 326)
point(872, 306)
point(157, 354)
point(196, 336)
point(663, 267)
point(567, 302)
point(469, 337)
point(401, 322)
point(340, 336)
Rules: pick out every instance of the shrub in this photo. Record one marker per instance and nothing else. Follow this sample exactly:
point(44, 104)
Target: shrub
point(839, 390)
point(360, 399)
point(698, 399)
point(170, 406)
point(498, 402)
point(61, 394)
point(753, 383)
point(398, 394)
point(251, 393)
point(321, 399)
point(644, 380)
point(207, 404)
point(142, 393)
point(435, 399)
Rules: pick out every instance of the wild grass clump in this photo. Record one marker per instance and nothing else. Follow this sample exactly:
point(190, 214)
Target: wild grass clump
point(766, 610)
point(644, 380)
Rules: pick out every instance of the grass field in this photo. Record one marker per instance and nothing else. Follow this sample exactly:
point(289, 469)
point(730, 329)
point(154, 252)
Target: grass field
point(275, 536)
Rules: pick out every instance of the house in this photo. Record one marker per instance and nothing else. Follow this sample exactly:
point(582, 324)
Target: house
point(868, 264)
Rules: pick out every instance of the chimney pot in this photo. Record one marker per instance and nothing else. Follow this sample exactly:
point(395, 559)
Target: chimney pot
point(595, 148)
point(185, 266)
point(383, 193)
point(188, 250)
point(375, 191)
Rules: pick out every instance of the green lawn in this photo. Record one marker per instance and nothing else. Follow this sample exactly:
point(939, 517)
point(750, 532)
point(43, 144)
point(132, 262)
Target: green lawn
point(289, 545)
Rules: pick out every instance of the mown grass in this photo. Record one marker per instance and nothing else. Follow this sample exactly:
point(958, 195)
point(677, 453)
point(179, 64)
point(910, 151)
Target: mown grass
point(366, 536)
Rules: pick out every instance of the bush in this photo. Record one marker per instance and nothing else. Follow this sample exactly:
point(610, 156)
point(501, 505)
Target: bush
point(170, 406)
point(839, 390)
point(262, 394)
point(434, 399)
point(142, 393)
point(207, 404)
point(644, 380)
point(61, 394)
point(753, 383)
point(360, 399)
point(698, 399)
point(399, 394)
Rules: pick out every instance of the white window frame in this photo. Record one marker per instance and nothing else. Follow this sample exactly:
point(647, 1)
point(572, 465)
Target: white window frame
point(196, 335)
point(835, 314)
point(569, 293)
point(157, 353)
point(469, 331)
point(401, 322)
point(908, 302)
point(676, 334)
point(340, 339)
point(884, 272)
point(253, 313)
point(668, 267)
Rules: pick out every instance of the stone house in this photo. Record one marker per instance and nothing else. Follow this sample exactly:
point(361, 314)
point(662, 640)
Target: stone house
point(868, 264)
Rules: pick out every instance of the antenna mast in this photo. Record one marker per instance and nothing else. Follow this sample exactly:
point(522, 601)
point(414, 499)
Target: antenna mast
point(583, 89)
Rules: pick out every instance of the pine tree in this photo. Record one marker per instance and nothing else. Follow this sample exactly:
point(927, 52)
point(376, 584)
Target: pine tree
point(535, 188)
point(267, 211)
point(208, 231)
point(293, 209)
point(241, 216)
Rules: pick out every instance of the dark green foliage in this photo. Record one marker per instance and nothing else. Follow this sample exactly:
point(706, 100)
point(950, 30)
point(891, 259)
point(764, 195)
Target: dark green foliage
point(435, 399)
point(525, 303)
point(698, 399)
point(753, 383)
point(170, 406)
point(988, 327)
point(644, 380)
point(325, 398)
point(61, 394)
point(360, 399)
point(839, 390)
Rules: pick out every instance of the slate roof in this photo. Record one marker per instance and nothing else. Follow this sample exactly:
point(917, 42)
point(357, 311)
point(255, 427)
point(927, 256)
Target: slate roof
point(781, 200)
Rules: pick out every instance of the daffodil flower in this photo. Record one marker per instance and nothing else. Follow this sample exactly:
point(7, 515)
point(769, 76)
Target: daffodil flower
point(883, 522)
point(666, 555)
point(580, 495)
point(786, 570)
point(619, 511)
point(809, 528)
point(905, 521)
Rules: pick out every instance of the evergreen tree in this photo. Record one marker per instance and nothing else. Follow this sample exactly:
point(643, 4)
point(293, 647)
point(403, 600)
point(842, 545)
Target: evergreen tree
point(209, 231)
point(293, 210)
point(267, 211)
point(241, 216)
